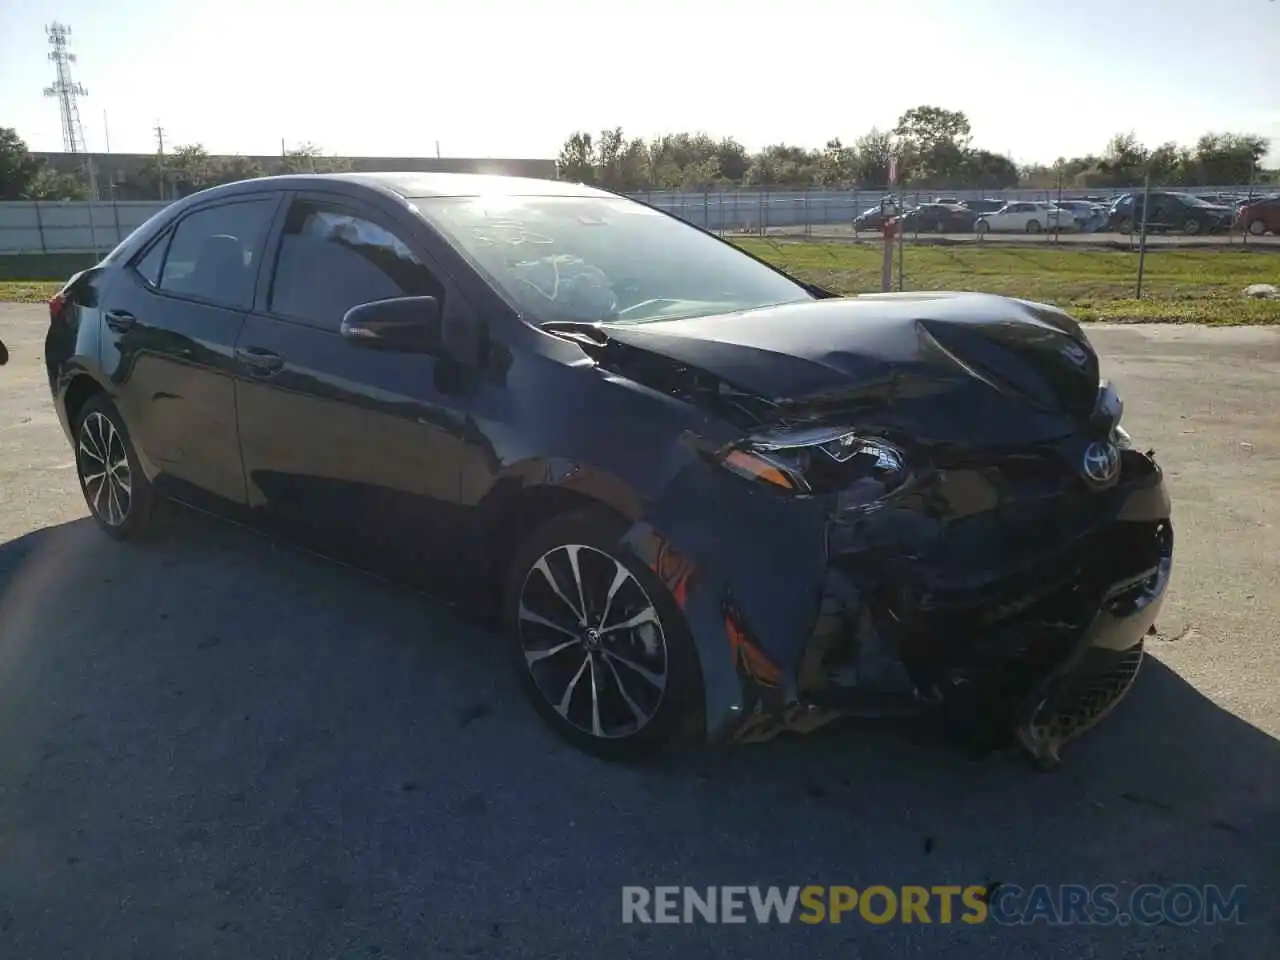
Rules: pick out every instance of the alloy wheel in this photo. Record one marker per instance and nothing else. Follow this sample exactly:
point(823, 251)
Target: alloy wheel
point(1257, 228)
point(104, 469)
point(1191, 227)
point(592, 641)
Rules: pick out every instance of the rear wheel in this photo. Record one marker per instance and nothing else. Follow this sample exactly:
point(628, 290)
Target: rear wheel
point(601, 647)
point(1033, 226)
point(1257, 227)
point(941, 227)
point(117, 492)
point(1124, 225)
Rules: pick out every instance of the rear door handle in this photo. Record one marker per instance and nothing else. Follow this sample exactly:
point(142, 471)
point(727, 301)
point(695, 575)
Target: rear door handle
point(120, 320)
point(258, 361)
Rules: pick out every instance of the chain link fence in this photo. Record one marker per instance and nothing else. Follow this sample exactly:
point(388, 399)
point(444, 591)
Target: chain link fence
point(854, 214)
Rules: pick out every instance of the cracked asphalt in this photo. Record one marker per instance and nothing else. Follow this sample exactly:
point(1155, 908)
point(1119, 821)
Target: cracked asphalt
point(214, 746)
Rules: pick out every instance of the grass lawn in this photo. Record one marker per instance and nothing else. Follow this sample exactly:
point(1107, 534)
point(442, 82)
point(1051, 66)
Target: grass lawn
point(1180, 286)
point(31, 278)
point(27, 291)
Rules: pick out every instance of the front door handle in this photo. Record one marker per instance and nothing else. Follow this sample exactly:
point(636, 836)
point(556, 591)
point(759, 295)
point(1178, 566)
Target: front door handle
point(120, 320)
point(259, 361)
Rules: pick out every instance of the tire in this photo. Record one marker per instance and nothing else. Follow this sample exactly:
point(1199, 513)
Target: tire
point(1124, 225)
point(1256, 227)
point(1191, 227)
point(941, 227)
point(118, 494)
point(1033, 226)
point(579, 661)
point(981, 228)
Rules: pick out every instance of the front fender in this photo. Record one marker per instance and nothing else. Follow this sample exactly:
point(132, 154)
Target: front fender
point(746, 566)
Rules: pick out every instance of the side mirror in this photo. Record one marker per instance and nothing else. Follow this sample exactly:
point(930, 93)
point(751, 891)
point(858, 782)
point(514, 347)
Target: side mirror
point(402, 325)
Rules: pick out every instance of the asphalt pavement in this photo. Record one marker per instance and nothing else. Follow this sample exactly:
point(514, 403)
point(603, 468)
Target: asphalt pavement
point(215, 746)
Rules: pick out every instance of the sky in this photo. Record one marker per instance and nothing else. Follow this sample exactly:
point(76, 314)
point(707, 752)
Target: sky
point(1038, 79)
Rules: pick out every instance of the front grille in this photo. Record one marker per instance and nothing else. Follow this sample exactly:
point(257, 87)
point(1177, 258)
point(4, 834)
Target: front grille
point(1084, 696)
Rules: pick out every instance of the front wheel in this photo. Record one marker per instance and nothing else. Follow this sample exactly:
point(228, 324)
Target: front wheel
point(1033, 226)
point(117, 492)
point(981, 228)
point(600, 644)
point(1191, 227)
point(1257, 228)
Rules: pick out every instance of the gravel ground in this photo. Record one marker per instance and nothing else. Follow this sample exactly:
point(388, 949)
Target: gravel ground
point(214, 746)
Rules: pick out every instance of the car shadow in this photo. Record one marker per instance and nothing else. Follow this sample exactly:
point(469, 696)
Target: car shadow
point(222, 727)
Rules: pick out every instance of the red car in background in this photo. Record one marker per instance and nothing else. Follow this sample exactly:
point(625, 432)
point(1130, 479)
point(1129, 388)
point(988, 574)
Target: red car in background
point(1260, 216)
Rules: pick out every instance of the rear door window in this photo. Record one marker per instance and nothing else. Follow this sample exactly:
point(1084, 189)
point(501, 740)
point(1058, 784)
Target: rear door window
point(149, 265)
point(215, 252)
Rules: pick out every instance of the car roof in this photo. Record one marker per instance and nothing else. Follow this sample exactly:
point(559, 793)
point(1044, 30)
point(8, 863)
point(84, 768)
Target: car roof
point(407, 184)
point(469, 185)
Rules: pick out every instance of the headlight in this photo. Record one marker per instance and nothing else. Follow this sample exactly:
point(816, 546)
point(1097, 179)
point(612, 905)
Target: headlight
point(821, 460)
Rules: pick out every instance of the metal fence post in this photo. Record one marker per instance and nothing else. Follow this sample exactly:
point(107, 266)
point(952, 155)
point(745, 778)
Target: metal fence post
point(1142, 239)
point(40, 228)
point(93, 231)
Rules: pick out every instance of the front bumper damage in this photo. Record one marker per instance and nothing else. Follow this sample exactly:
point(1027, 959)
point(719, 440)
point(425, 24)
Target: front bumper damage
point(1021, 622)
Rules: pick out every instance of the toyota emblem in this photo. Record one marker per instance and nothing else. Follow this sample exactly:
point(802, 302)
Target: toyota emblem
point(1101, 461)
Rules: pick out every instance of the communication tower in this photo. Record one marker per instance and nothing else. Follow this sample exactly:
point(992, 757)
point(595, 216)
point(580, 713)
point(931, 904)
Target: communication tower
point(65, 89)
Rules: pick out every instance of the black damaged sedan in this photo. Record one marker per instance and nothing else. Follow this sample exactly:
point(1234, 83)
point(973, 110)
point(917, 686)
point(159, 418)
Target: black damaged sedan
point(703, 496)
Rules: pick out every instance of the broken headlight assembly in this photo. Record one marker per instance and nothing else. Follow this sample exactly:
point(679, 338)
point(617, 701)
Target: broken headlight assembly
point(862, 469)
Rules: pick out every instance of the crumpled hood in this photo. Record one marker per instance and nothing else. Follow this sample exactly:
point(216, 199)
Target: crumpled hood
point(988, 353)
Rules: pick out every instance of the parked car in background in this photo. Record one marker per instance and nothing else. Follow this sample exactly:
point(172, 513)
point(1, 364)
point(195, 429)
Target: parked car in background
point(1170, 211)
point(873, 217)
point(984, 205)
point(1259, 216)
point(1087, 215)
point(939, 218)
point(1025, 216)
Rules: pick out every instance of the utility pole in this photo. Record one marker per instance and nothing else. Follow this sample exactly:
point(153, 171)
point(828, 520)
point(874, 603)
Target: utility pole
point(159, 130)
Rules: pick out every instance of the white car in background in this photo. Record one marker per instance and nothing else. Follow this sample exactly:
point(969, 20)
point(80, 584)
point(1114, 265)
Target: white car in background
point(1025, 216)
point(1084, 211)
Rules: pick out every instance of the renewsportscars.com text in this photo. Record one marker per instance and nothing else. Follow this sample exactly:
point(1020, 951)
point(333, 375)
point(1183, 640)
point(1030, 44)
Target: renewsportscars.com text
point(1004, 904)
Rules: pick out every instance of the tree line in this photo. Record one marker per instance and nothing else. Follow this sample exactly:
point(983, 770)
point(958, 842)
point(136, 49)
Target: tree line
point(932, 146)
point(183, 170)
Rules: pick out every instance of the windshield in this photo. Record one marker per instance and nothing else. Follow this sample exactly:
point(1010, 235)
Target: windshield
point(603, 259)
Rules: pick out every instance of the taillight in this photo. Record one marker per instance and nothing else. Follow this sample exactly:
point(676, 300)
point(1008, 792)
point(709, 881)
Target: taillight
point(56, 303)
